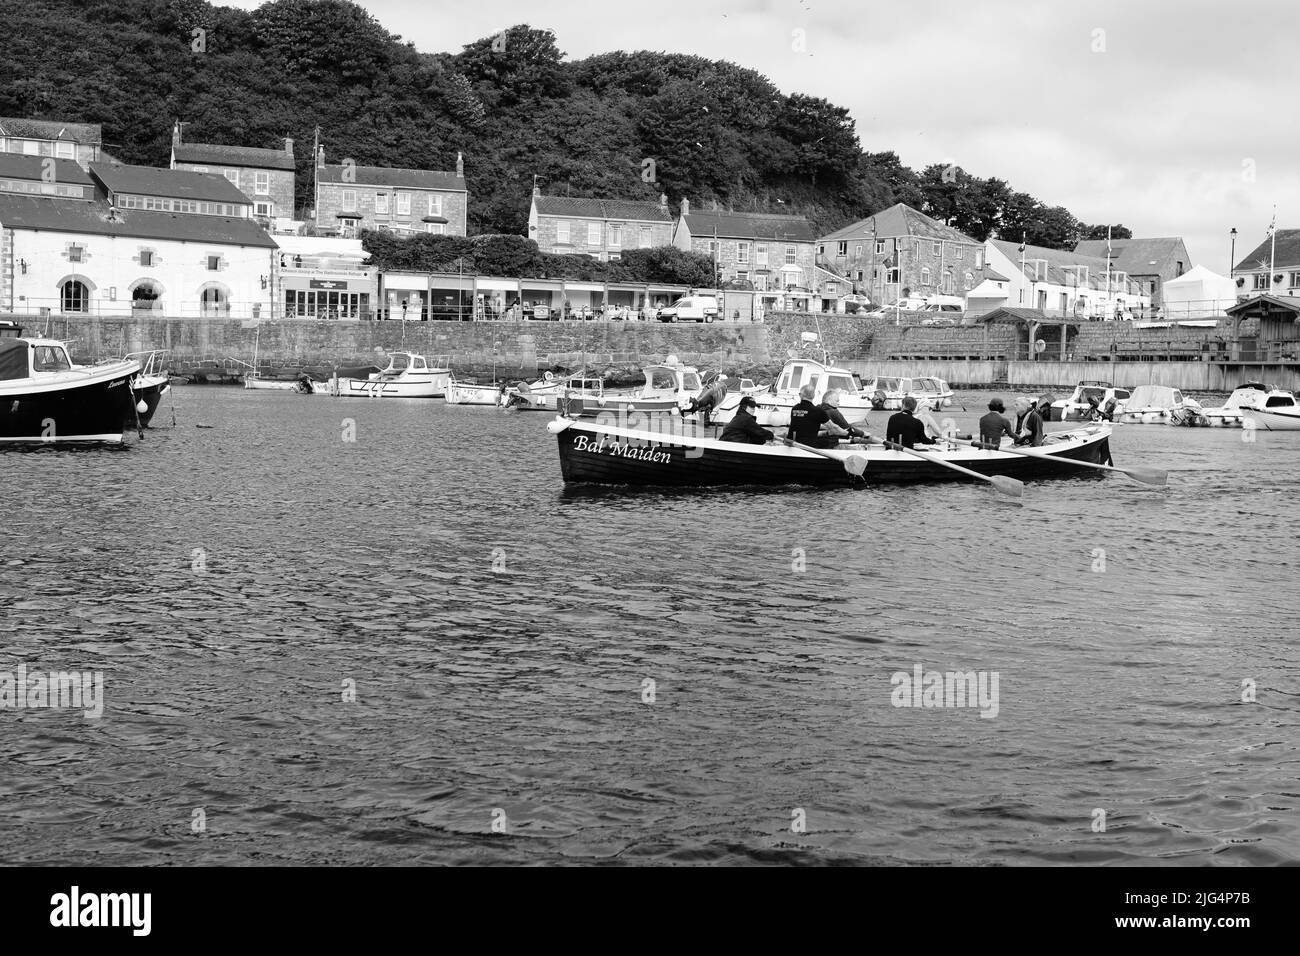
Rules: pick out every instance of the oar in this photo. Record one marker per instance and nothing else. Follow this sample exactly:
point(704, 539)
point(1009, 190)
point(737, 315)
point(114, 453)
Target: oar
point(1151, 476)
point(1006, 485)
point(855, 465)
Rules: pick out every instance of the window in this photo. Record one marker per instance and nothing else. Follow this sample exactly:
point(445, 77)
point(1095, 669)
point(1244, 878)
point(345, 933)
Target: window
point(403, 204)
point(1180, 268)
point(842, 249)
point(821, 250)
point(742, 253)
point(435, 205)
point(880, 247)
point(760, 255)
point(562, 232)
point(857, 251)
point(261, 209)
point(74, 297)
point(232, 175)
point(146, 258)
point(214, 263)
point(791, 254)
point(262, 182)
point(892, 275)
point(645, 237)
point(936, 249)
point(76, 254)
point(979, 258)
point(30, 147)
point(615, 234)
point(349, 200)
point(593, 233)
point(381, 204)
point(861, 273)
point(970, 281)
point(1261, 281)
point(200, 169)
point(65, 150)
point(1295, 279)
point(925, 276)
point(435, 228)
point(961, 252)
point(760, 283)
point(742, 276)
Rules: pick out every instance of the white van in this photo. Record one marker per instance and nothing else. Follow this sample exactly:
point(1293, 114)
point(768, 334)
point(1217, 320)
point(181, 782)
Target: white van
point(691, 308)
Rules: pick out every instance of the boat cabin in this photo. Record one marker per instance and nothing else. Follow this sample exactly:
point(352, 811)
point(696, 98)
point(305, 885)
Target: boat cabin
point(28, 358)
point(1155, 396)
point(670, 381)
point(10, 330)
point(800, 372)
point(403, 363)
point(1258, 395)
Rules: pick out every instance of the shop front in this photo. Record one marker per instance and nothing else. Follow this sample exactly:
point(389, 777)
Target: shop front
point(542, 298)
point(496, 298)
point(405, 296)
point(583, 300)
point(451, 298)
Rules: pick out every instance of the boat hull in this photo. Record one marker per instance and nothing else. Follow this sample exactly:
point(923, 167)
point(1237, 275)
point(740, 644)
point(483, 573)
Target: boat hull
point(589, 406)
point(150, 390)
point(460, 394)
point(1273, 421)
point(592, 454)
point(434, 387)
point(92, 411)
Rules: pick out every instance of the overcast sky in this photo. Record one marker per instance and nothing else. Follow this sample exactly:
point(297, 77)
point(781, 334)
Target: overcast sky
point(1174, 117)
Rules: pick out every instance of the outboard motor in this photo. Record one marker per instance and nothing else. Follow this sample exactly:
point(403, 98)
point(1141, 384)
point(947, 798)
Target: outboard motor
point(708, 400)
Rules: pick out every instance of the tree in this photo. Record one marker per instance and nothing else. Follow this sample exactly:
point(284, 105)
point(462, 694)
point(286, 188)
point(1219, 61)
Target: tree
point(1118, 231)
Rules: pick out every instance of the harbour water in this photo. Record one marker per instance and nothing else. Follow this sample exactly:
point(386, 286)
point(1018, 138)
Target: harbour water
point(636, 677)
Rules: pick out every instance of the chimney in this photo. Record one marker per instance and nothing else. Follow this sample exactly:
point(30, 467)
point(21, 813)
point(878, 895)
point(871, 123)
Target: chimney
point(537, 190)
point(686, 208)
point(176, 134)
point(460, 166)
point(288, 147)
point(320, 157)
point(663, 201)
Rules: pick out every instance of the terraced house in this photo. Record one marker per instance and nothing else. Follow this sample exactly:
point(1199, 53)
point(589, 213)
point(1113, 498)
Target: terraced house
point(1149, 262)
point(1272, 268)
point(265, 176)
point(767, 252)
point(350, 198)
point(80, 142)
point(901, 252)
point(601, 228)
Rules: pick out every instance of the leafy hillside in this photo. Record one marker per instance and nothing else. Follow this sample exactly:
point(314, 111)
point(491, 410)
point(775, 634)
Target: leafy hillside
point(616, 125)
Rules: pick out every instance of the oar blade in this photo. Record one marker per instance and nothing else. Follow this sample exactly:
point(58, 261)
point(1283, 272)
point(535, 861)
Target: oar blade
point(1012, 487)
point(855, 465)
point(1150, 476)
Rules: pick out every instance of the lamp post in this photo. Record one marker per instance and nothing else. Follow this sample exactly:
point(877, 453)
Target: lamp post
point(1232, 254)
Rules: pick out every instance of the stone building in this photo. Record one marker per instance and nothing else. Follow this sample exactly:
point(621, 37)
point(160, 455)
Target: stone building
point(767, 252)
point(600, 228)
point(80, 142)
point(901, 252)
point(265, 176)
point(350, 198)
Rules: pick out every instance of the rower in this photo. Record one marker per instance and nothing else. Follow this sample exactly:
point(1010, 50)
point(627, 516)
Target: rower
point(831, 406)
point(904, 428)
point(744, 426)
point(806, 420)
point(1030, 422)
point(994, 425)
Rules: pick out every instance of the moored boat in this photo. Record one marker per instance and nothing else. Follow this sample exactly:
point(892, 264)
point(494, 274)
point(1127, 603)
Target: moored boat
point(1156, 405)
point(1231, 414)
point(472, 393)
point(46, 399)
point(407, 375)
point(1273, 419)
point(669, 387)
point(591, 453)
point(149, 386)
point(540, 396)
point(1090, 401)
point(774, 404)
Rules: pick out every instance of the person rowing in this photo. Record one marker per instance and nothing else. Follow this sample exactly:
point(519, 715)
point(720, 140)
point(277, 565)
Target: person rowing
point(807, 419)
point(905, 428)
point(744, 426)
point(831, 406)
point(1030, 423)
point(994, 425)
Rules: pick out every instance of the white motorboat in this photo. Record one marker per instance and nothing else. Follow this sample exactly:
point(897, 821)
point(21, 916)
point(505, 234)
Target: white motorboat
point(775, 403)
point(1231, 414)
point(407, 375)
point(472, 393)
point(669, 387)
point(1157, 405)
point(1272, 419)
point(887, 392)
point(1090, 401)
point(539, 396)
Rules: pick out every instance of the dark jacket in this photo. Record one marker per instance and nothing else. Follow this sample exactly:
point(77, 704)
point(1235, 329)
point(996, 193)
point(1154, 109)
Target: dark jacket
point(837, 418)
point(906, 430)
point(744, 427)
point(993, 426)
point(1034, 432)
point(806, 419)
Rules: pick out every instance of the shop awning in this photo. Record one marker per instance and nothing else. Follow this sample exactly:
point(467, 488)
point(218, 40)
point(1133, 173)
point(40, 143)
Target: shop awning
point(541, 285)
point(405, 280)
point(464, 283)
point(499, 285)
point(584, 286)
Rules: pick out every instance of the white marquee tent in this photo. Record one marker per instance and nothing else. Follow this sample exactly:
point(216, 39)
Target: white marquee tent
point(1198, 294)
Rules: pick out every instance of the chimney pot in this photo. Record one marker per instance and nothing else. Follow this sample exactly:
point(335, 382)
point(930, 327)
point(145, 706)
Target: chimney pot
point(176, 133)
point(320, 158)
point(460, 166)
point(288, 146)
point(686, 207)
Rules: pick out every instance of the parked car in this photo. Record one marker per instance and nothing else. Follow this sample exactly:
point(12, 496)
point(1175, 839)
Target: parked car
point(909, 304)
point(939, 320)
point(691, 308)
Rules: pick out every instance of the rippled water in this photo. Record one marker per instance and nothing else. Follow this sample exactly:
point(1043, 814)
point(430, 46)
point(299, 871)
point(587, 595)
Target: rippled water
point(502, 636)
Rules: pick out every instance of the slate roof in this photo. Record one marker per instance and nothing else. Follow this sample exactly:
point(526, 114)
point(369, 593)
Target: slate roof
point(585, 208)
point(900, 219)
point(1285, 256)
point(249, 157)
point(1140, 257)
point(171, 183)
point(16, 166)
point(91, 218)
point(91, 134)
point(385, 176)
point(750, 225)
point(1058, 260)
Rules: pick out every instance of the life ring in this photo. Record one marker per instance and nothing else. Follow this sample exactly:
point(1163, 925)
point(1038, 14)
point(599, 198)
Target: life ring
point(548, 377)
